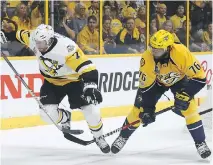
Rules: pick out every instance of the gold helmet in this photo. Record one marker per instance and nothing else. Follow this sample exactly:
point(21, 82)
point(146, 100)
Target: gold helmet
point(161, 39)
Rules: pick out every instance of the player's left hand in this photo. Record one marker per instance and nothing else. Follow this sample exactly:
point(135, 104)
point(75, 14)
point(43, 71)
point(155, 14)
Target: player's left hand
point(182, 101)
point(147, 118)
point(92, 94)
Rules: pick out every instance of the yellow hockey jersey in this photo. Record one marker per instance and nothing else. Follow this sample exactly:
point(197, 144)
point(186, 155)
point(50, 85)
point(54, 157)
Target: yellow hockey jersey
point(180, 64)
point(63, 63)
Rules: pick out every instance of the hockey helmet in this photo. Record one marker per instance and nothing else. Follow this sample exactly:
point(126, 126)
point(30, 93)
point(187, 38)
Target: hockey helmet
point(161, 39)
point(43, 33)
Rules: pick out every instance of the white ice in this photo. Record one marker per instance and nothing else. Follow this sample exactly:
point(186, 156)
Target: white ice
point(163, 143)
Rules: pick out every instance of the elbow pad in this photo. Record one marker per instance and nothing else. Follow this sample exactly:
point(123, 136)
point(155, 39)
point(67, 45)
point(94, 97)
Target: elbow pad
point(91, 76)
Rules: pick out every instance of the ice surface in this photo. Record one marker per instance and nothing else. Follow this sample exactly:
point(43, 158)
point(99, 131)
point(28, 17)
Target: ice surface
point(161, 143)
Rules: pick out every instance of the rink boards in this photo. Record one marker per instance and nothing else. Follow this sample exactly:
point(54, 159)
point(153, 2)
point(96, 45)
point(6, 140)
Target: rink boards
point(118, 81)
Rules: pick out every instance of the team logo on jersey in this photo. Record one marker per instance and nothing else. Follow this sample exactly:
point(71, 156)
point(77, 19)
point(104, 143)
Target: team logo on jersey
point(142, 62)
point(166, 38)
point(169, 79)
point(51, 66)
point(70, 48)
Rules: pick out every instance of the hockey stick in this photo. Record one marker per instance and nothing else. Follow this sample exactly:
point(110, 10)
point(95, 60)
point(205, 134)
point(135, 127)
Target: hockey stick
point(85, 143)
point(37, 99)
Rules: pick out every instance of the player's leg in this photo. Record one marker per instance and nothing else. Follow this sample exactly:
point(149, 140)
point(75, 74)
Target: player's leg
point(135, 114)
point(50, 97)
point(195, 126)
point(91, 113)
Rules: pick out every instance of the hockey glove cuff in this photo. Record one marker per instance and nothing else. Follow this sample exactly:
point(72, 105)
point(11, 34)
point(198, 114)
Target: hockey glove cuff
point(182, 101)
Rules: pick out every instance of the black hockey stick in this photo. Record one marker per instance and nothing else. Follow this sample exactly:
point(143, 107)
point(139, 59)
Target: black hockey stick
point(76, 132)
point(85, 143)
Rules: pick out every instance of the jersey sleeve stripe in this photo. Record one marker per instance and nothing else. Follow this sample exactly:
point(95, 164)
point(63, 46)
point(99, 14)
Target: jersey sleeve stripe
point(47, 76)
point(84, 68)
point(82, 65)
point(20, 36)
point(203, 81)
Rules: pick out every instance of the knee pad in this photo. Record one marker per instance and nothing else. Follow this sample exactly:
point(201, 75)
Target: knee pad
point(93, 118)
point(191, 114)
point(56, 114)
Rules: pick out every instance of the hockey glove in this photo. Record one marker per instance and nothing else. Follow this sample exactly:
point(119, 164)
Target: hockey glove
point(182, 101)
point(147, 117)
point(92, 94)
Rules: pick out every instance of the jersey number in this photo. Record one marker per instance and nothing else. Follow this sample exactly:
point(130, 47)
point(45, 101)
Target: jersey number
point(195, 67)
point(76, 55)
point(142, 76)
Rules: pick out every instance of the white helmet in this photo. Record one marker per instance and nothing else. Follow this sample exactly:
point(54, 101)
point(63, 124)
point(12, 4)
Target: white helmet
point(44, 33)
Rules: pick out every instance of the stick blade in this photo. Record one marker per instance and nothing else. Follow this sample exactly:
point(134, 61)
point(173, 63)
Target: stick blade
point(77, 140)
point(73, 131)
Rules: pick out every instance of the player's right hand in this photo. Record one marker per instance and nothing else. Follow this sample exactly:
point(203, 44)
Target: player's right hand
point(147, 118)
point(92, 94)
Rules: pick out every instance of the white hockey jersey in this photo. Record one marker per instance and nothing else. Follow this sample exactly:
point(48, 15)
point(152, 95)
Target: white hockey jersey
point(64, 61)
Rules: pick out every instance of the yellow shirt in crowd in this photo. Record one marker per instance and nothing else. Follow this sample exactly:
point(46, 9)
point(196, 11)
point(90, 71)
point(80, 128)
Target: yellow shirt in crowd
point(177, 21)
point(139, 23)
point(26, 25)
point(88, 41)
point(116, 26)
point(206, 38)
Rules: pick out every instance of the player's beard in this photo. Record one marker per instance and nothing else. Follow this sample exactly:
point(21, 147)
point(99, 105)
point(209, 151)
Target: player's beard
point(159, 54)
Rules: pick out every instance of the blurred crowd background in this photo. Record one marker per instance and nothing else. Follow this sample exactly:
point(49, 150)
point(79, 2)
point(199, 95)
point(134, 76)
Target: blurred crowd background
point(123, 24)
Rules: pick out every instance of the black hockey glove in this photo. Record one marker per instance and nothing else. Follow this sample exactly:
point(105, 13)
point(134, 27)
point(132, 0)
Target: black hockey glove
point(92, 94)
point(182, 101)
point(147, 117)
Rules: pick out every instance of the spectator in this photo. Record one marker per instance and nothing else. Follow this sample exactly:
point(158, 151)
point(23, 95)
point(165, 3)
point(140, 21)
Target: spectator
point(128, 40)
point(153, 7)
point(197, 15)
point(4, 10)
point(109, 44)
point(21, 17)
point(116, 24)
point(64, 27)
point(128, 11)
point(36, 13)
point(207, 36)
point(182, 37)
point(153, 27)
point(112, 4)
point(141, 19)
point(208, 13)
point(80, 19)
point(94, 9)
point(168, 26)
point(14, 48)
point(107, 11)
point(178, 18)
point(132, 4)
point(160, 16)
point(72, 4)
point(88, 38)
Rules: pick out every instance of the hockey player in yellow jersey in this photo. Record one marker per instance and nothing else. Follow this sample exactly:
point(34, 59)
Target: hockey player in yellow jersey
point(167, 65)
point(67, 72)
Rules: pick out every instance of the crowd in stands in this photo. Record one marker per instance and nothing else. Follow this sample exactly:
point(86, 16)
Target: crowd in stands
point(124, 23)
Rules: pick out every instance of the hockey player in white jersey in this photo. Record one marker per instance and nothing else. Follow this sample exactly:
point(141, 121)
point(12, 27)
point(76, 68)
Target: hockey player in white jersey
point(67, 72)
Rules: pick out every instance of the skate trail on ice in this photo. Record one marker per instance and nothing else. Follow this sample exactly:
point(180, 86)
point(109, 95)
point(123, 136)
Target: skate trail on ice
point(163, 142)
